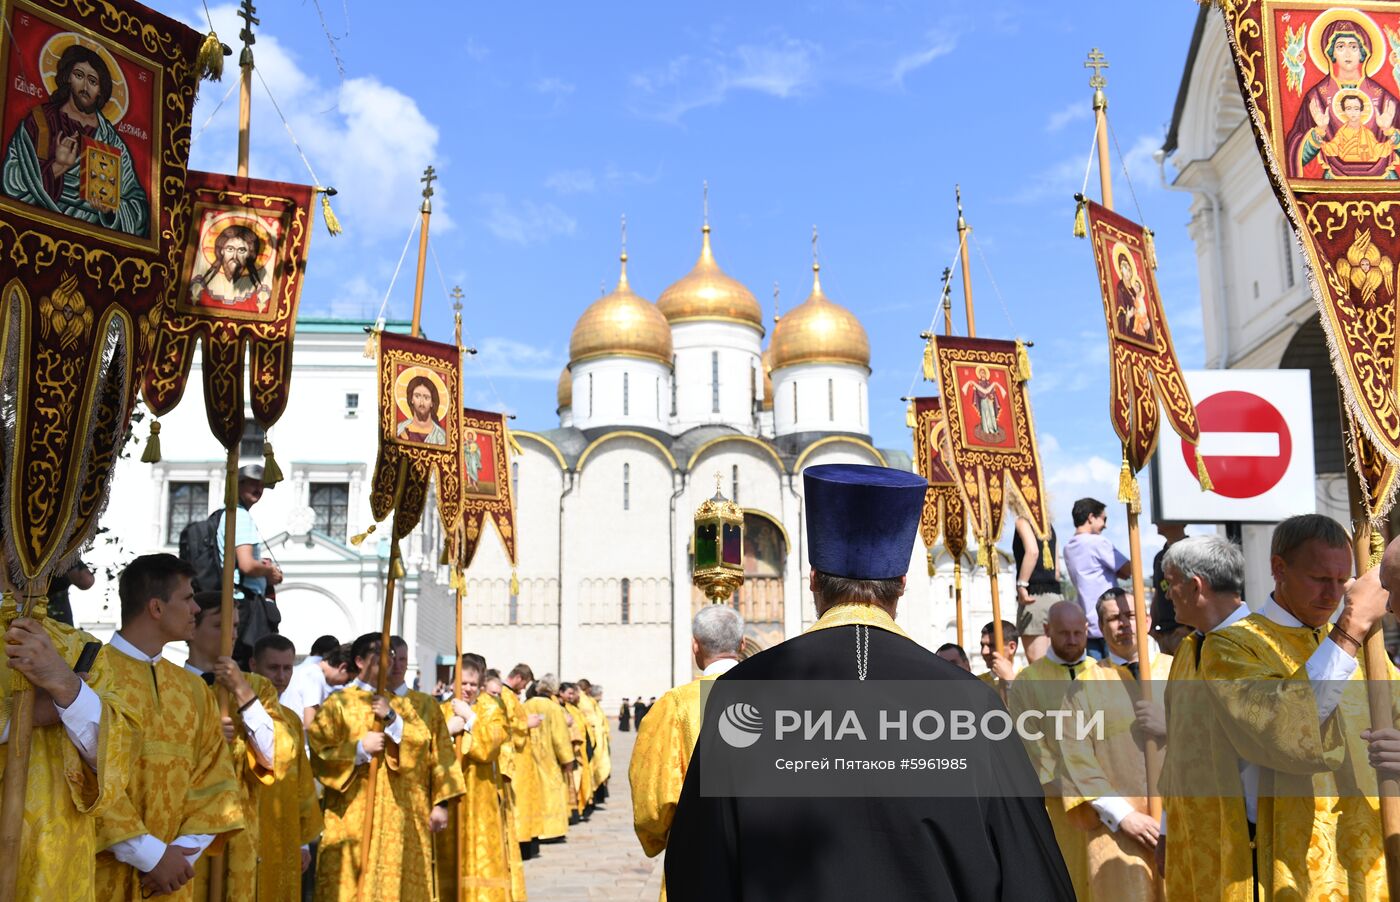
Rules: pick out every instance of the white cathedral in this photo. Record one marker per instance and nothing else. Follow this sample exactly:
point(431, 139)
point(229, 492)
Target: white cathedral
point(656, 401)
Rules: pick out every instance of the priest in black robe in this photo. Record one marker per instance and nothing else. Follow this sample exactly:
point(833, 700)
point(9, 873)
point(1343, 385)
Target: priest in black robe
point(991, 840)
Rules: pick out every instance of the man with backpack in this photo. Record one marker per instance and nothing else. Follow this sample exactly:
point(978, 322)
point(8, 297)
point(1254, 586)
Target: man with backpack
point(202, 545)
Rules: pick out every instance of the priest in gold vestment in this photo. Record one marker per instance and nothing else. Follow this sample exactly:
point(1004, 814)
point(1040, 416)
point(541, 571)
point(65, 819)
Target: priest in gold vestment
point(512, 753)
point(289, 814)
point(1106, 770)
point(260, 744)
point(1044, 685)
point(554, 757)
point(182, 797)
point(1208, 855)
point(416, 778)
point(581, 735)
point(666, 736)
point(1288, 691)
point(81, 752)
point(589, 702)
point(529, 792)
point(478, 726)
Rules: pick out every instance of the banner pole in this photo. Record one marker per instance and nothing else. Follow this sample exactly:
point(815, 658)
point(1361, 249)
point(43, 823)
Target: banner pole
point(963, 231)
point(1153, 750)
point(461, 741)
point(429, 176)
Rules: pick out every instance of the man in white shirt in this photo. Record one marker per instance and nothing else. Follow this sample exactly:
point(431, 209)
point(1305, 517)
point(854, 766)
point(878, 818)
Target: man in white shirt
point(326, 669)
point(1093, 563)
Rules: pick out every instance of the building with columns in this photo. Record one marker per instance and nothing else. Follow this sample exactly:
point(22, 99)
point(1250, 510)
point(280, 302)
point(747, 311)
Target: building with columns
point(659, 401)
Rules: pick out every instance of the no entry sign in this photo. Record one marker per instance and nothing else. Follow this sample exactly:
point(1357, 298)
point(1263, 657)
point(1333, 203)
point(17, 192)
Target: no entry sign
point(1257, 444)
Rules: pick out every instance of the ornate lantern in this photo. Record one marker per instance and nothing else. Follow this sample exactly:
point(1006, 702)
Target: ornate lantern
point(719, 547)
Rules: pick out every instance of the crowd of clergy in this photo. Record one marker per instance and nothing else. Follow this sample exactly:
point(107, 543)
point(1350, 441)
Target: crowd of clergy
point(281, 781)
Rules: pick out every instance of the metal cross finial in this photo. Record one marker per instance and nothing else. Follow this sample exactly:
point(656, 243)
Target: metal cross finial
point(816, 262)
point(624, 237)
point(429, 176)
point(957, 193)
point(457, 298)
point(777, 315)
point(719, 481)
point(705, 190)
point(1098, 63)
point(245, 12)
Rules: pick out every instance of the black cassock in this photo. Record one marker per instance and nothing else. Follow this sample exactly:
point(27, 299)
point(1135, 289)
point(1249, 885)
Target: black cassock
point(973, 848)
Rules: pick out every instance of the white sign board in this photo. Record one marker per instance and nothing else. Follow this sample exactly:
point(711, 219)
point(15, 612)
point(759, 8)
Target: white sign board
point(1257, 443)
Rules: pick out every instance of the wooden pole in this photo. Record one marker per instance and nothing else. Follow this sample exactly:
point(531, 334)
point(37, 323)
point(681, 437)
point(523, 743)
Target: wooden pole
point(1153, 750)
point(366, 839)
point(948, 330)
point(1367, 554)
point(963, 231)
point(17, 761)
point(461, 742)
point(429, 176)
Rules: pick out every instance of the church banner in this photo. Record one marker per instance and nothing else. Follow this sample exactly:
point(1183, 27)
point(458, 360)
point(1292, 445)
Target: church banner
point(943, 514)
point(239, 282)
point(1322, 85)
point(486, 488)
point(420, 431)
point(991, 434)
point(1144, 374)
point(95, 124)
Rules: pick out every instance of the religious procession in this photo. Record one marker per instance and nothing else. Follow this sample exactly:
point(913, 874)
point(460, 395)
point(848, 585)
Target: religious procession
point(753, 619)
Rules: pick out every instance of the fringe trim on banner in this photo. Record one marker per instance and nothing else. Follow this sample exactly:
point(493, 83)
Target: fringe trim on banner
point(1081, 223)
point(514, 582)
point(152, 453)
point(210, 58)
point(930, 372)
point(359, 538)
point(932, 571)
point(1128, 491)
point(272, 474)
point(1202, 474)
point(1150, 246)
point(1047, 560)
point(332, 221)
point(1023, 362)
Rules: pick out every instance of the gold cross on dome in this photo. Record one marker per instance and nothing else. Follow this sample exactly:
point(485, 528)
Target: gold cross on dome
point(457, 298)
point(1098, 62)
point(429, 176)
point(719, 481)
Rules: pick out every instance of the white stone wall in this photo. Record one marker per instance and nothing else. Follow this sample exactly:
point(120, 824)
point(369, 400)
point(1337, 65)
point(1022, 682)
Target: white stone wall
point(740, 385)
point(599, 393)
point(829, 397)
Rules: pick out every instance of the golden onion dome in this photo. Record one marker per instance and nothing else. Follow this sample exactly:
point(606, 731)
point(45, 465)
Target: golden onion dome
point(621, 324)
point(707, 293)
point(765, 362)
point(565, 392)
point(818, 331)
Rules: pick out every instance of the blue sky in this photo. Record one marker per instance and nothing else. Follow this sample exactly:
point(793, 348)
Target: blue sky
point(547, 122)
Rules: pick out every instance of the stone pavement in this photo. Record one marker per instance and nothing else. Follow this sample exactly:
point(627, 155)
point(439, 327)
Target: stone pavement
point(602, 859)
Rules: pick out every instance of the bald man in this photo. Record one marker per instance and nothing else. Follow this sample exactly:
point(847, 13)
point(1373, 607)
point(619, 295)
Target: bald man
point(1043, 686)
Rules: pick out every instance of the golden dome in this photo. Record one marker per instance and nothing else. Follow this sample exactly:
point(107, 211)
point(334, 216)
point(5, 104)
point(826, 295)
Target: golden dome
point(765, 361)
point(621, 324)
point(818, 331)
point(565, 392)
point(706, 293)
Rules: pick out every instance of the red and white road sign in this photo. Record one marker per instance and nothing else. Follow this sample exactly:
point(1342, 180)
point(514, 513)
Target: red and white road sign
point(1256, 440)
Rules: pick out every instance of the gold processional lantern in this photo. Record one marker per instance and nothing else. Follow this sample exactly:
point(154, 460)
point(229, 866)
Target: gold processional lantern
point(719, 547)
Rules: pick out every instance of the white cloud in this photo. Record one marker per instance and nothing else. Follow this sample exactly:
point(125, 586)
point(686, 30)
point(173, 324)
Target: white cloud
point(571, 181)
point(368, 140)
point(508, 358)
point(476, 51)
point(554, 87)
point(939, 44)
point(525, 221)
point(1066, 177)
point(1074, 112)
point(783, 68)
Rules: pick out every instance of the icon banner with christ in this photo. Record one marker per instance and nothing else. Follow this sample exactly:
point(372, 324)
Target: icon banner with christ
point(990, 432)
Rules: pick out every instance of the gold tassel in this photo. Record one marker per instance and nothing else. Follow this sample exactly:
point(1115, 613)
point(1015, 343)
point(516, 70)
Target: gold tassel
point(210, 58)
point(1081, 223)
point(514, 582)
point(446, 557)
point(1047, 560)
point(1127, 483)
point(272, 474)
point(372, 342)
point(359, 538)
point(1023, 362)
point(398, 571)
point(932, 570)
point(909, 416)
point(152, 453)
point(1149, 248)
point(454, 579)
point(332, 222)
point(982, 556)
point(930, 373)
point(1202, 474)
